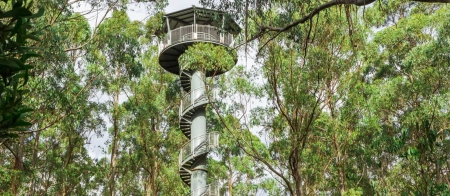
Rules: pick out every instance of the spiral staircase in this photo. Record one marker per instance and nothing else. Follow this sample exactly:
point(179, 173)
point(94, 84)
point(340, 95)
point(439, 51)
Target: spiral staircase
point(183, 29)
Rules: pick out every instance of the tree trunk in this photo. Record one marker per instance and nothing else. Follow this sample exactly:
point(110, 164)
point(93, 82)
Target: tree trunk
point(35, 159)
point(115, 139)
point(297, 174)
point(230, 177)
point(155, 175)
point(18, 166)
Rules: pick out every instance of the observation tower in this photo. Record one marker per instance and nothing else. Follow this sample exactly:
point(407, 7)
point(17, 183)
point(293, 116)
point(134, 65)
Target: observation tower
point(183, 29)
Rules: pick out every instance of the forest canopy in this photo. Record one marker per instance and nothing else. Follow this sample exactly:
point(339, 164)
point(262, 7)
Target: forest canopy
point(340, 97)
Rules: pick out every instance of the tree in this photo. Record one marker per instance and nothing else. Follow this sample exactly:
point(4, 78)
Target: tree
point(338, 101)
point(116, 55)
point(241, 9)
point(54, 148)
point(16, 38)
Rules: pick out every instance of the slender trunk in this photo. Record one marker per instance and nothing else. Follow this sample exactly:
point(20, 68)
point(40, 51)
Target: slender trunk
point(155, 166)
point(155, 175)
point(298, 181)
point(148, 187)
point(34, 161)
point(72, 140)
point(340, 165)
point(230, 177)
point(18, 166)
point(151, 182)
point(112, 180)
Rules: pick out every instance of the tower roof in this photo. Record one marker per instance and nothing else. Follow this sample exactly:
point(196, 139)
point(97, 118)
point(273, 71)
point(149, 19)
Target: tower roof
point(202, 16)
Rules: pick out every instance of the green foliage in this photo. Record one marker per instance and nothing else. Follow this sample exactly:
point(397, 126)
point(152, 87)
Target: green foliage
point(353, 192)
point(154, 25)
point(352, 102)
point(16, 38)
point(207, 56)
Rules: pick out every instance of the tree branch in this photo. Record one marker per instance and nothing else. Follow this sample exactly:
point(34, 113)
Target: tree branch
point(264, 29)
point(95, 30)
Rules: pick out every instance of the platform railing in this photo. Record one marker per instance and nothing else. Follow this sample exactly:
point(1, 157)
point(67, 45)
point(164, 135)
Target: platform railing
point(196, 32)
point(197, 146)
point(209, 190)
point(189, 99)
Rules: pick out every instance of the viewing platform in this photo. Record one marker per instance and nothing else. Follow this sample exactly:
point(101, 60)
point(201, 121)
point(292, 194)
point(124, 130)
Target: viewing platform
point(193, 25)
point(186, 35)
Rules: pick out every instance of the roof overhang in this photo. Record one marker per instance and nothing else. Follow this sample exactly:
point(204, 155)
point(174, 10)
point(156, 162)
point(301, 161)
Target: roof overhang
point(202, 16)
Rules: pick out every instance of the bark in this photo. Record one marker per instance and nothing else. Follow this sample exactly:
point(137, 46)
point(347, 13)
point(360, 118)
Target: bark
point(18, 166)
point(35, 159)
point(230, 177)
point(115, 141)
point(155, 175)
point(297, 175)
point(151, 182)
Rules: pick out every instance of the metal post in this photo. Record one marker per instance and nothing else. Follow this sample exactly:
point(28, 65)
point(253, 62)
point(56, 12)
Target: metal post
point(194, 26)
point(195, 20)
point(168, 31)
point(222, 30)
point(198, 130)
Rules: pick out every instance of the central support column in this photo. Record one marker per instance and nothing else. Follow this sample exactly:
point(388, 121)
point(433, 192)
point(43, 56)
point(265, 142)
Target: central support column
point(198, 134)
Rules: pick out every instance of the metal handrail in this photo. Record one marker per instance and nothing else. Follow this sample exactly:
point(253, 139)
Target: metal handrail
point(209, 190)
point(188, 100)
point(196, 32)
point(204, 144)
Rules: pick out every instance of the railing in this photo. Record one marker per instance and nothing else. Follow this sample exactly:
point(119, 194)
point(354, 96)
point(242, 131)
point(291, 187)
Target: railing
point(210, 190)
point(198, 145)
point(196, 32)
point(193, 97)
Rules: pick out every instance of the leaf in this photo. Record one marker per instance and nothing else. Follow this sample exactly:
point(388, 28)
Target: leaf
point(22, 123)
point(25, 110)
point(37, 14)
point(9, 14)
point(7, 135)
point(25, 12)
point(17, 26)
point(25, 78)
point(15, 45)
point(16, 12)
point(8, 63)
point(29, 55)
point(33, 37)
point(18, 62)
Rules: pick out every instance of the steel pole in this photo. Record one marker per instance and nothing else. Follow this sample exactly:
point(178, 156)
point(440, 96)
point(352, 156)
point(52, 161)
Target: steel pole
point(198, 133)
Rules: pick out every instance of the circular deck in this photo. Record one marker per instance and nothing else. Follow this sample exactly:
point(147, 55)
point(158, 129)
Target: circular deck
point(178, 40)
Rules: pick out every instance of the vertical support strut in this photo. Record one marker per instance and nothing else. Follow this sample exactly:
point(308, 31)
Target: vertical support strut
point(198, 132)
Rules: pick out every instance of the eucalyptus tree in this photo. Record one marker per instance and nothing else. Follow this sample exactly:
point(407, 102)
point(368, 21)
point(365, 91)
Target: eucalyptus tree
point(294, 13)
point(17, 35)
point(115, 57)
point(56, 83)
point(351, 111)
point(407, 96)
point(51, 156)
point(151, 140)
